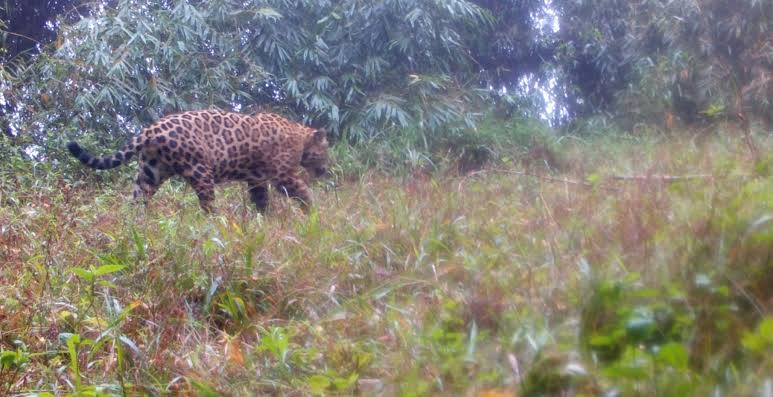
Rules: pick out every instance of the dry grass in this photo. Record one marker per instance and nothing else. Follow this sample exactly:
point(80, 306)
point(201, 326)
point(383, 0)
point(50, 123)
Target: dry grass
point(441, 285)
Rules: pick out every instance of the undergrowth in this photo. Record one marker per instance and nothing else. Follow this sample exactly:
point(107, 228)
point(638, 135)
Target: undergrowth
point(490, 281)
point(463, 150)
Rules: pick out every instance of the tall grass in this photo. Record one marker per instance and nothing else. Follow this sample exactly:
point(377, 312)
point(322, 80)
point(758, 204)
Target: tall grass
point(555, 281)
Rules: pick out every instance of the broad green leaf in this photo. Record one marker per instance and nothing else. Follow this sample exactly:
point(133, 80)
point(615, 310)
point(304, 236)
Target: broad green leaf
point(7, 359)
point(343, 384)
point(107, 269)
point(761, 340)
point(673, 354)
point(83, 273)
point(318, 384)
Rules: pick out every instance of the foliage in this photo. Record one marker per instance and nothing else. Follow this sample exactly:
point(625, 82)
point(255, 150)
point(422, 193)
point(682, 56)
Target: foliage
point(461, 247)
point(493, 141)
point(376, 71)
point(520, 41)
point(361, 70)
point(698, 60)
point(27, 23)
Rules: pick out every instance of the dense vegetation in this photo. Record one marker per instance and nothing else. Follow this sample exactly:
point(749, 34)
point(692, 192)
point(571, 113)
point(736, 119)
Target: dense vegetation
point(495, 282)
point(367, 70)
point(527, 198)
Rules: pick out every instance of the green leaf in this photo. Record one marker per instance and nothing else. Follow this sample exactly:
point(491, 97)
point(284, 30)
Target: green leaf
point(343, 384)
point(107, 269)
point(87, 275)
point(601, 340)
point(673, 354)
point(318, 384)
point(7, 359)
point(765, 329)
point(761, 340)
point(204, 389)
point(72, 348)
point(139, 243)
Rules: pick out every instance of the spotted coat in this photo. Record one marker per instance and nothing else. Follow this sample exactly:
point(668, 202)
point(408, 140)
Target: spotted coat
point(211, 146)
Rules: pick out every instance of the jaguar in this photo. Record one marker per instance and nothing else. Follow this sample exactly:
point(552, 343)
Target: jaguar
point(208, 147)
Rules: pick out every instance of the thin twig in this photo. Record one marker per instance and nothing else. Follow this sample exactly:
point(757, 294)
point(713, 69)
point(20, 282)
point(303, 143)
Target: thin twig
point(554, 179)
point(666, 178)
point(750, 298)
point(659, 177)
point(22, 36)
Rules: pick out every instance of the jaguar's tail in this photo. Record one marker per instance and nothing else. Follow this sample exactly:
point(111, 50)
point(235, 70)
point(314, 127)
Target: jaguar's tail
point(107, 162)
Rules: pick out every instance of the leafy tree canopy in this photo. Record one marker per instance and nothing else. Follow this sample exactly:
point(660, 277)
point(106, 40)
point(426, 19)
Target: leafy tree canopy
point(356, 67)
point(27, 23)
point(365, 68)
point(696, 59)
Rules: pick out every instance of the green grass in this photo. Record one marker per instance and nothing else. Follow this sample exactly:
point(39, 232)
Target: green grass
point(428, 283)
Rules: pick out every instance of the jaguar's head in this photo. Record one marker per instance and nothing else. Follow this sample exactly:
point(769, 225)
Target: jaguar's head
point(315, 157)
